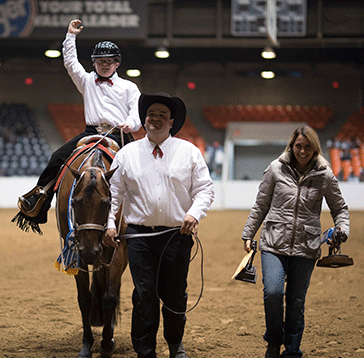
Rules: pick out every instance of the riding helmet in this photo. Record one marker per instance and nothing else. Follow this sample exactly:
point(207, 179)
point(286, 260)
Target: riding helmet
point(106, 49)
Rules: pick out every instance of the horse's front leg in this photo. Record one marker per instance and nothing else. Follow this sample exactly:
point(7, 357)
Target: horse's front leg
point(111, 299)
point(84, 302)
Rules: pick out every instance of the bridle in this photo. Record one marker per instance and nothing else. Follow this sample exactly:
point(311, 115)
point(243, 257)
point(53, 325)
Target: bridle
point(70, 261)
point(91, 226)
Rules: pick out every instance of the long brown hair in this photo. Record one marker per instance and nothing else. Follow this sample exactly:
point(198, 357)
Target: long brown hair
point(314, 141)
point(312, 138)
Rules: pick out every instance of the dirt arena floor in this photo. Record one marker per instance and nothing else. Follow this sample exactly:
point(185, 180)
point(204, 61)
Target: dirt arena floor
point(39, 316)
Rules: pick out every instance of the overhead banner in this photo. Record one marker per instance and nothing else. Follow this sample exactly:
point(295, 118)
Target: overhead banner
point(42, 19)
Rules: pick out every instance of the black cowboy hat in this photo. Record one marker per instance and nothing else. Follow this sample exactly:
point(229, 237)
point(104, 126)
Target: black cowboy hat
point(175, 104)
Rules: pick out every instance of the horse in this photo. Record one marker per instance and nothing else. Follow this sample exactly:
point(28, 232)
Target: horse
point(82, 206)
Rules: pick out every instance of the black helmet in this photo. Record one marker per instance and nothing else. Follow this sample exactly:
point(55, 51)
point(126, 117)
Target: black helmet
point(106, 49)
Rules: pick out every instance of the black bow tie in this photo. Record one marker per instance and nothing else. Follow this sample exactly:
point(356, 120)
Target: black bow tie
point(99, 79)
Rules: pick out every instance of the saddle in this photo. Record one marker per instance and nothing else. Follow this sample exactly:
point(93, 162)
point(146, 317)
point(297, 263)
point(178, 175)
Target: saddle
point(107, 142)
point(39, 194)
point(108, 146)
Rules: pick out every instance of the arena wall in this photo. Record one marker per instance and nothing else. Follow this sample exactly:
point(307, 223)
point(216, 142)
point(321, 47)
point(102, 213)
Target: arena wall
point(237, 194)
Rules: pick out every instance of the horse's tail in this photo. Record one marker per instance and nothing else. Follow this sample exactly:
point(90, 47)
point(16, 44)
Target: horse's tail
point(100, 302)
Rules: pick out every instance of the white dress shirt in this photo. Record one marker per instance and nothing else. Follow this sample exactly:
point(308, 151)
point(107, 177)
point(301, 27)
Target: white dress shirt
point(160, 191)
point(104, 103)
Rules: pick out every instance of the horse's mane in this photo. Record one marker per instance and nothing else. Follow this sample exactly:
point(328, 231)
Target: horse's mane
point(97, 159)
point(92, 184)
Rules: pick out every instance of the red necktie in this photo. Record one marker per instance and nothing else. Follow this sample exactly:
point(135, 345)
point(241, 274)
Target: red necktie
point(98, 79)
point(157, 152)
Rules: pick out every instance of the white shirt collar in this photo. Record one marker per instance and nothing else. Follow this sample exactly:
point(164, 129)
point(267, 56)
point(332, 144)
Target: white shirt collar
point(161, 145)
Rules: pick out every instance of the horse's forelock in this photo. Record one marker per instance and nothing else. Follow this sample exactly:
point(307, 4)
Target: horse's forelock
point(92, 183)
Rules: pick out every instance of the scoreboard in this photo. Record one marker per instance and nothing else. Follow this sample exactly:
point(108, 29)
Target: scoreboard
point(249, 17)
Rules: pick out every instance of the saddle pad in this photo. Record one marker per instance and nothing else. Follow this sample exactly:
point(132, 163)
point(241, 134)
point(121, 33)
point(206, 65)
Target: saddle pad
point(65, 167)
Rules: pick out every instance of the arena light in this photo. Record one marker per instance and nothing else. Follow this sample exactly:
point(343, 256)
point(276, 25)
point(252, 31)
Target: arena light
point(52, 53)
point(268, 75)
point(268, 53)
point(161, 52)
point(133, 72)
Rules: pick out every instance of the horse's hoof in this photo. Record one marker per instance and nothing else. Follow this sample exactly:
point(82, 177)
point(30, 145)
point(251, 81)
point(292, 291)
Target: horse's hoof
point(84, 355)
point(106, 353)
point(85, 351)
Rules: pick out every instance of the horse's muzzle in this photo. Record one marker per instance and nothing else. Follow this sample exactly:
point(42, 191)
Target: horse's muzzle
point(89, 256)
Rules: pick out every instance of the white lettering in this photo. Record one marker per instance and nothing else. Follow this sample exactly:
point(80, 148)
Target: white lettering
point(57, 7)
point(118, 7)
point(88, 6)
point(91, 20)
point(108, 7)
point(47, 20)
point(94, 6)
point(103, 21)
point(43, 6)
point(129, 21)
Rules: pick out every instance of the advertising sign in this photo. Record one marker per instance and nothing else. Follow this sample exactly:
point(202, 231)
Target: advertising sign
point(44, 19)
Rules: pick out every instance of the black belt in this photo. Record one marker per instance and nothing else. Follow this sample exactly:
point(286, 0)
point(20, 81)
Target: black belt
point(150, 228)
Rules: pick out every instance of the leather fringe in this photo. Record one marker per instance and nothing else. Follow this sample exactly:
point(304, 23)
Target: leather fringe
point(25, 223)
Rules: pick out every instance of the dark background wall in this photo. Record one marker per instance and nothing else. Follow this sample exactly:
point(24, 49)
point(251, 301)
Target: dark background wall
point(203, 50)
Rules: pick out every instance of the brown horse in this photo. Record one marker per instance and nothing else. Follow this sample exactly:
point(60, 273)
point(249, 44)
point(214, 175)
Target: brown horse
point(83, 202)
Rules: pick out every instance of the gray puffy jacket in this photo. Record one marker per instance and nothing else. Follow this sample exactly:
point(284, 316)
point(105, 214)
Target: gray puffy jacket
point(291, 208)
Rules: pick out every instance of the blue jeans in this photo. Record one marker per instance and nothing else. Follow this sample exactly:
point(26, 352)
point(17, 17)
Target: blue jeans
point(296, 272)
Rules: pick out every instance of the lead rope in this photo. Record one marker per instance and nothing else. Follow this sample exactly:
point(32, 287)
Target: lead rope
point(199, 245)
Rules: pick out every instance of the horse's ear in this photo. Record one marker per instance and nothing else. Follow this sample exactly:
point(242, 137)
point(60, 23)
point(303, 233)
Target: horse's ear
point(109, 174)
point(75, 173)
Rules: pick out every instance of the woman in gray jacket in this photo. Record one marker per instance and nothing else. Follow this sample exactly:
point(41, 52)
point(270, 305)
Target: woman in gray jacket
point(289, 205)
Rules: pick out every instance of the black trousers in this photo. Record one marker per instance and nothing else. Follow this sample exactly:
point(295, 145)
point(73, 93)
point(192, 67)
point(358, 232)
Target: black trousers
point(158, 263)
point(61, 154)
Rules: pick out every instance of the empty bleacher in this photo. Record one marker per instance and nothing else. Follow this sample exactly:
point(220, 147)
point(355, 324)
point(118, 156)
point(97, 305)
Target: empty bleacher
point(315, 116)
point(24, 150)
point(353, 127)
point(187, 132)
point(70, 121)
point(69, 118)
point(190, 133)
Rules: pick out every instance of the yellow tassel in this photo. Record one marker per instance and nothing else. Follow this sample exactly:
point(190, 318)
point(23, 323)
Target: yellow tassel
point(71, 271)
